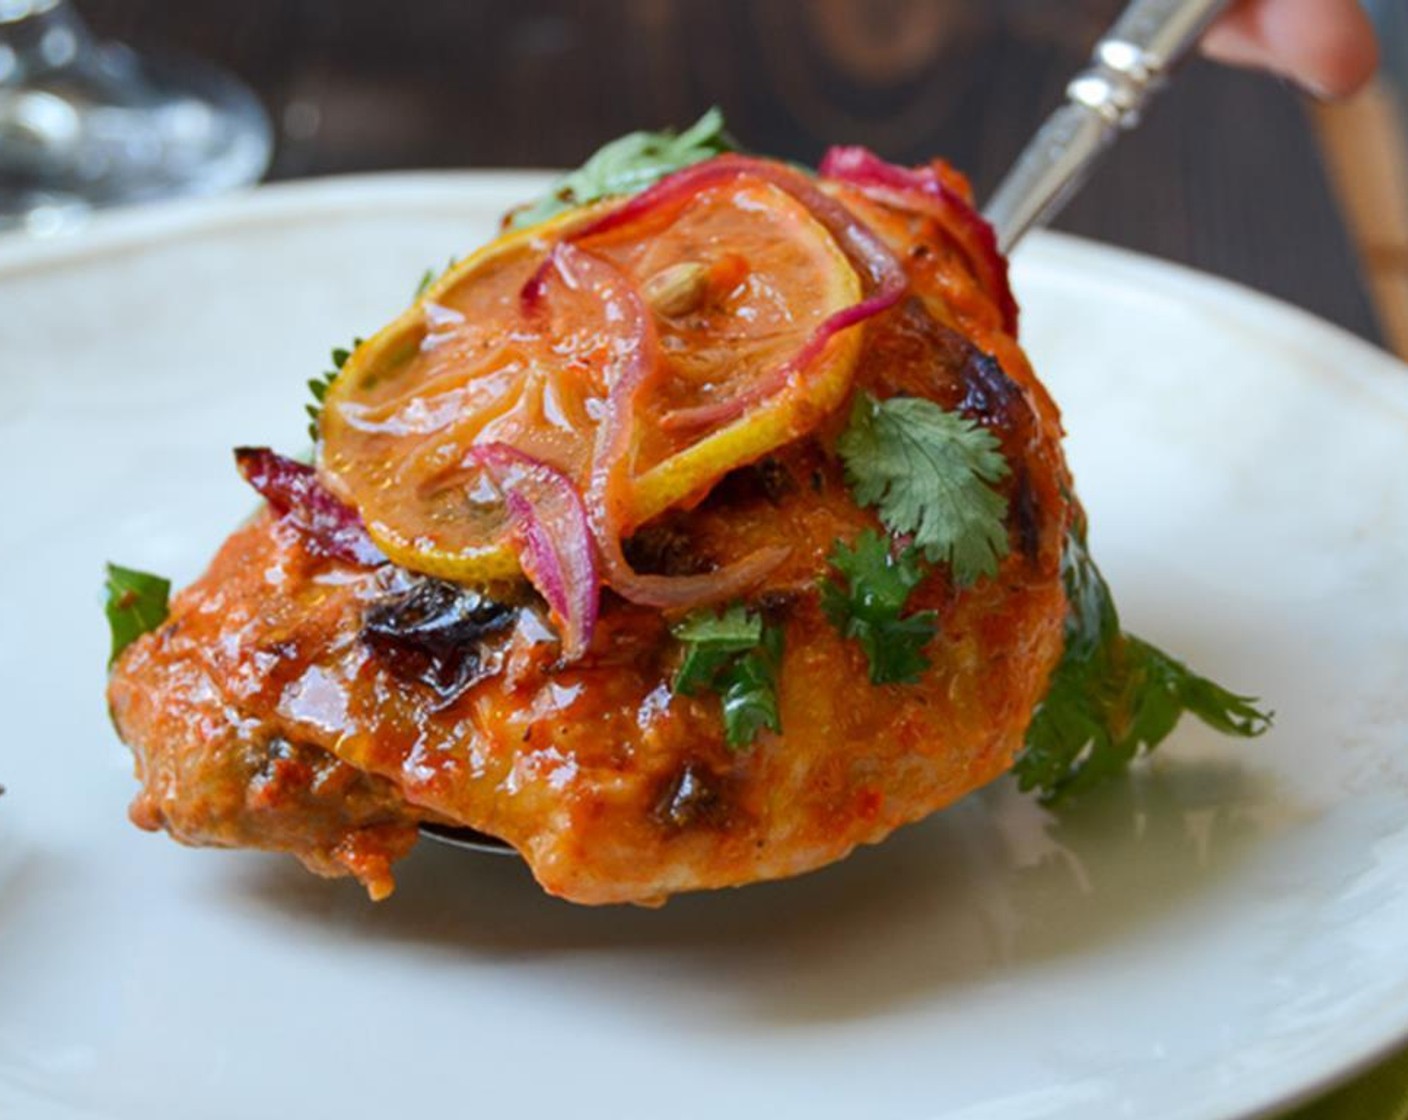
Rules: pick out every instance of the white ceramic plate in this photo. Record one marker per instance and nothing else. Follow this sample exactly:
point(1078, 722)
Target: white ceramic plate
point(1218, 935)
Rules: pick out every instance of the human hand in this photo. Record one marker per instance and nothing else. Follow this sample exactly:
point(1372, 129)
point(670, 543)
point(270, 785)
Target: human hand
point(1327, 46)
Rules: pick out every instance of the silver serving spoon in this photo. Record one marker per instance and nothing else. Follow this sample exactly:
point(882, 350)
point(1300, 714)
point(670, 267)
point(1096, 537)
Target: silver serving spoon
point(472, 840)
point(1131, 63)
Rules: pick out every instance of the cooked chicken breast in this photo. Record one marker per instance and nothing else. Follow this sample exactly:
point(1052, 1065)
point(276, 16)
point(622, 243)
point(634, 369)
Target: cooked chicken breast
point(305, 699)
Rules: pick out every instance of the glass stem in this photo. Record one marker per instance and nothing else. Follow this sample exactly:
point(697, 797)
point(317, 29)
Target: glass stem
point(86, 124)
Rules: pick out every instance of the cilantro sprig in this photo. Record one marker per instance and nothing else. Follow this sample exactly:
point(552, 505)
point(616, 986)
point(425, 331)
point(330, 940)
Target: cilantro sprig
point(711, 641)
point(748, 691)
point(736, 654)
point(137, 602)
point(1114, 696)
point(929, 475)
point(629, 164)
point(320, 385)
point(868, 607)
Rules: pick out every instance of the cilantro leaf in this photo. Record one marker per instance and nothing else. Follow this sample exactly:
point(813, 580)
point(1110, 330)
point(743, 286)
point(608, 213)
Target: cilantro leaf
point(735, 654)
point(733, 631)
point(868, 606)
point(711, 641)
point(320, 385)
point(136, 603)
point(928, 473)
point(748, 691)
point(1114, 696)
point(629, 164)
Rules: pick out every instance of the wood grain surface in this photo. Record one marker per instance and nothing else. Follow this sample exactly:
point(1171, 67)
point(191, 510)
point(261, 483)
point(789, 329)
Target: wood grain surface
point(1225, 175)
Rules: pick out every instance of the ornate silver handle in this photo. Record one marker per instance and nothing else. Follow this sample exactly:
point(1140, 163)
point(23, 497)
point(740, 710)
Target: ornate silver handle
point(1129, 65)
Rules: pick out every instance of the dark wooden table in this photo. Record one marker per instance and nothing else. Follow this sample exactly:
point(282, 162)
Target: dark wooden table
point(1224, 176)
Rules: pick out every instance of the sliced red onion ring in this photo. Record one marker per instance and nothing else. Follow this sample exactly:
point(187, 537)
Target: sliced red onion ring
point(684, 593)
point(636, 360)
point(534, 289)
point(867, 253)
point(862, 168)
point(723, 412)
point(293, 491)
point(548, 514)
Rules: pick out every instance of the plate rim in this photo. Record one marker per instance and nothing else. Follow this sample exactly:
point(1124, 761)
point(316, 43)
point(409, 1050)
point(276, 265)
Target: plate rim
point(1254, 313)
point(109, 232)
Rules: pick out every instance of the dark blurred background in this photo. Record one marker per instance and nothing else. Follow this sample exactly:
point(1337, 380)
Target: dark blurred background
point(1226, 175)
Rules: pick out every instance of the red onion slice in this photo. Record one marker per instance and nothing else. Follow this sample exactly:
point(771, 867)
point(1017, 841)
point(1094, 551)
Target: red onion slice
point(534, 290)
point(635, 360)
point(862, 168)
point(723, 412)
point(557, 557)
point(866, 252)
point(685, 593)
point(294, 492)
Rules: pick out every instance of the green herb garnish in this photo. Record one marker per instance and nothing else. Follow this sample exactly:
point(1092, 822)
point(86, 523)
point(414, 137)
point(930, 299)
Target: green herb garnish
point(429, 276)
point(737, 655)
point(629, 164)
point(136, 604)
point(928, 473)
point(710, 642)
point(748, 691)
point(320, 385)
point(1114, 696)
point(868, 607)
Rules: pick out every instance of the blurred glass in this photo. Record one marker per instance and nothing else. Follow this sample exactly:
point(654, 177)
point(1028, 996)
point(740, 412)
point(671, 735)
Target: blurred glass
point(85, 124)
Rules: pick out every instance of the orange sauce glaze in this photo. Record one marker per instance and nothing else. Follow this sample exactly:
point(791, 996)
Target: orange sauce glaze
point(612, 787)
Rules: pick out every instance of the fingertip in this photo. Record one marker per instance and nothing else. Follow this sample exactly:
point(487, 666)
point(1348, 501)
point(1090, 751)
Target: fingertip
point(1329, 48)
point(1342, 68)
